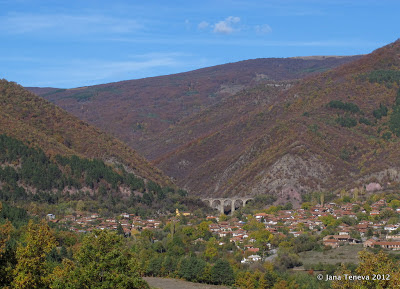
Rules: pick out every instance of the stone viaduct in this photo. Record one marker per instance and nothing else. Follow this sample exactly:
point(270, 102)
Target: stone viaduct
point(220, 203)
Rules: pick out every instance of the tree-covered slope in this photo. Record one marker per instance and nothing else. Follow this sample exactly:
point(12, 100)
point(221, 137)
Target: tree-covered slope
point(29, 118)
point(50, 158)
point(136, 111)
point(333, 130)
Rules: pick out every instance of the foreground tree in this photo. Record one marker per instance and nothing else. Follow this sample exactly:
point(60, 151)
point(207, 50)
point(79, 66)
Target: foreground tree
point(32, 271)
point(5, 266)
point(192, 268)
point(102, 262)
point(372, 265)
point(222, 273)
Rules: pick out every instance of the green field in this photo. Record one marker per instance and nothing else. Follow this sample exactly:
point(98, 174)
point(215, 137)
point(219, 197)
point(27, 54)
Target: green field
point(343, 254)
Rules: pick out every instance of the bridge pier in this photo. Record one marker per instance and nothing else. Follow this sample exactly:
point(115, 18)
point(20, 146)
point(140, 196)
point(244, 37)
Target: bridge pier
point(222, 206)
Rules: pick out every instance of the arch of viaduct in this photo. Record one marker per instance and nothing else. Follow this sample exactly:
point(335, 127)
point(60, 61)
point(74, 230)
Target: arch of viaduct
point(220, 203)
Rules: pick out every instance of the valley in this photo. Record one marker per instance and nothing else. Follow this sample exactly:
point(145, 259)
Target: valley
point(256, 188)
point(209, 145)
point(291, 132)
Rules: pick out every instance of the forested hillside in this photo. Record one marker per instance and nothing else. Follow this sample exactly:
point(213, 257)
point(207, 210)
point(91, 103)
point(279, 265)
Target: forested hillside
point(136, 111)
point(54, 160)
point(333, 130)
point(29, 118)
point(28, 175)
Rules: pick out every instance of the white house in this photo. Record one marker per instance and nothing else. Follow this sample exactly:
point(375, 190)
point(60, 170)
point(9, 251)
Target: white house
point(251, 258)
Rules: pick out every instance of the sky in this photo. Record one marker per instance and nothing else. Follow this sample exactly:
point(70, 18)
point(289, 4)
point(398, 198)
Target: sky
point(75, 43)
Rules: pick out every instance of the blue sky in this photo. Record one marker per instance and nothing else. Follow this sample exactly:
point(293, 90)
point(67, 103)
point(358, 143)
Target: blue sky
point(79, 43)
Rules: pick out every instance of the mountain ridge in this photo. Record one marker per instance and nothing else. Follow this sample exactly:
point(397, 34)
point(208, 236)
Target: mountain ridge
point(293, 132)
point(34, 120)
point(136, 110)
point(282, 137)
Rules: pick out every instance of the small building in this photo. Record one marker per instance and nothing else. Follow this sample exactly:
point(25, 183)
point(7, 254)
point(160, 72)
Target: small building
point(333, 243)
point(251, 259)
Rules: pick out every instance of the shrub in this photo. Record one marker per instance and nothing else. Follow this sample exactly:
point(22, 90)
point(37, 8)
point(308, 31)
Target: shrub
point(346, 121)
point(365, 121)
point(381, 111)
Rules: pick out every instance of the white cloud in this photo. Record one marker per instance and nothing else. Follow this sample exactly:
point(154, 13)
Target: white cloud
point(203, 25)
point(263, 29)
point(226, 26)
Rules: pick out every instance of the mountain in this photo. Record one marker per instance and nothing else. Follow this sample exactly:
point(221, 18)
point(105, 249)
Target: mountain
point(136, 111)
point(52, 161)
point(334, 130)
point(325, 132)
point(27, 117)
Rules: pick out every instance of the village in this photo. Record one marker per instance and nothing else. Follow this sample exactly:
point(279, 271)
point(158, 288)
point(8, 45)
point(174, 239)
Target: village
point(333, 224)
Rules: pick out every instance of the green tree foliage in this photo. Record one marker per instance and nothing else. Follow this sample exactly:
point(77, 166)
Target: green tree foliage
point(25, 166)
point(304, 242)
point(268, 279)
point(191, 268)
point(246, 280)
point(155, 266)
point(156, 190)
point(253, 225)
point(31, 270)
point(262, 238)
point(380, 112)
point(211, 251)
point(394, 121)
point(222, 273)
point(372, 264)
point(101, 262)
point(5, 230)
point(92, 171)
point(169, 266)
point(394, 204)
point(346, 121)
point(397, 102)
point(365, 121)
point(36, 169)
point(286, 260)
point(384, 76)
point(17, 216)
point(347, 106)
point(202, 230)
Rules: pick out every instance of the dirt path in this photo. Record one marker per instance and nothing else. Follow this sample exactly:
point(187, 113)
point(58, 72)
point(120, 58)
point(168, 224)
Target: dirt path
point(166, 283)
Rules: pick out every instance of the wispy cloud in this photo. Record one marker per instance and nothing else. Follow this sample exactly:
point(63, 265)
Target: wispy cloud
point(203, 25)
point(233, 24)
point(263, 29)
point(81, 72)
point(18, 23)
point(227, 26)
